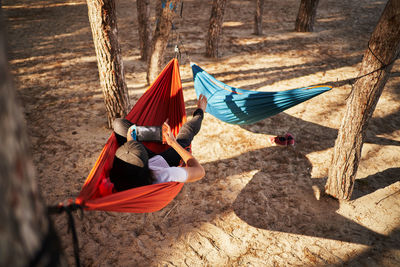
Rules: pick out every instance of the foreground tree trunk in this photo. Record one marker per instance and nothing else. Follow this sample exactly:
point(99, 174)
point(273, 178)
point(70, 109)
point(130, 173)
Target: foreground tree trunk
point(165, 15)
point(384, 46)
point(306, 16)
point(258, 17)
point(143, 11)
point(27, 236)
point(215, 28)
point(111, 71)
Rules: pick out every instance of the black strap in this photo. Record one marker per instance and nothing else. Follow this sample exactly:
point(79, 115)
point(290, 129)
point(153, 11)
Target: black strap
point(71, 224)
point(351, 81)
point(181, 9)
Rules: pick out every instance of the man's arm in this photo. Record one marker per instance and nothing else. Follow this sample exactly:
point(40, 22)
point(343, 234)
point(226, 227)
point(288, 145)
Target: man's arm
point(194, 169)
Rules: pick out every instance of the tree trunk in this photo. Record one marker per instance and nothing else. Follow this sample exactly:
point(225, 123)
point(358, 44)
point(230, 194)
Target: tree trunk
point(27, 236)
point(258, 17)
point(306, 16)
point(215, 28)
point(143, 11)
point(165, 15)
point(384, 46)
point(111, 71)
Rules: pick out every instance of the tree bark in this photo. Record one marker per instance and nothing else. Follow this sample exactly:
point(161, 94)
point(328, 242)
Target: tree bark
point(258, 17)
point(215, 28)
point(165, 15)
point(306, 16)
point(143, 11)
point(27, 236)
point(384, 46)
point(103, 23)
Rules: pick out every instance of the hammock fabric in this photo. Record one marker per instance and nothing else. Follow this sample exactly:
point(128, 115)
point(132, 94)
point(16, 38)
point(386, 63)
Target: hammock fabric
point(162, 100)
point(238, 106)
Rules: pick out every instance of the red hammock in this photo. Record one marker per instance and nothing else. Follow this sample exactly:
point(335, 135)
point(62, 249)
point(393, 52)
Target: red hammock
point(162, 100)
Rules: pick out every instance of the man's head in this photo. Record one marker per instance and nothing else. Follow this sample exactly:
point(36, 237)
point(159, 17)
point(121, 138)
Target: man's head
point(130, 167)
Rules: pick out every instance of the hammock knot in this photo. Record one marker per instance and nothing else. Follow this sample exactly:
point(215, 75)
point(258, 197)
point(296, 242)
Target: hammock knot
point(177, 52)
point(68, 208)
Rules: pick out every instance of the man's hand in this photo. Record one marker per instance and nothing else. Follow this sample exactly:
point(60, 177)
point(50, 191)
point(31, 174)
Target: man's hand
point(194, 169)
point(167, 134)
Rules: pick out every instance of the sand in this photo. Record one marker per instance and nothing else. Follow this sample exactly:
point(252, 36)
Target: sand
point(258, 205)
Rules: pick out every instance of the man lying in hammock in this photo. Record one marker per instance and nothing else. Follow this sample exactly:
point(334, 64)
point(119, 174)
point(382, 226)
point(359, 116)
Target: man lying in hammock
point(135, 165)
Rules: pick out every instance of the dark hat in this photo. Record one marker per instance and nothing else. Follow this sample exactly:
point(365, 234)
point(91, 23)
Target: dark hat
point(130, 167)
point(133, 152)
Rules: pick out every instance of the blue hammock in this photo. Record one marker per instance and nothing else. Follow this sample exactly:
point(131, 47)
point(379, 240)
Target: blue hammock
point(238, 106)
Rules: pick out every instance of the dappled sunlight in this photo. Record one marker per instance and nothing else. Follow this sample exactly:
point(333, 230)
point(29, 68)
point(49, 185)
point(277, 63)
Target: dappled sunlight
point(272, 76)
point(318, 160)
point(136, 90)
point(220, 139)
point(232, 24)
point(331, 19)
point(70, 34)
point(369, 216)
point(388, 155)
point(39, 5)
point(269, 37)
point(249, 41)
point(256, 205)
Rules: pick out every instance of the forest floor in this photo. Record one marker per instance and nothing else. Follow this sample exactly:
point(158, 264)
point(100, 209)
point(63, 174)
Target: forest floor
point(257, 205)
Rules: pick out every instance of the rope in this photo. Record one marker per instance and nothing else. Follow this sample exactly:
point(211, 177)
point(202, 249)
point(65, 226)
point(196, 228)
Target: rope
point(178, 42)
point(372, 52)
point(352, 81)
point(71, 224)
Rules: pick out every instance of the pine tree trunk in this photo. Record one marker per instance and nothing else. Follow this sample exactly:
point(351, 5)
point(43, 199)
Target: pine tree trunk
point(103, 22)
point(384, 46)
point(165, 15)
point(306, 16)
point(143, 11)
point(258, 17)
point(215, 28)
point(27, 236)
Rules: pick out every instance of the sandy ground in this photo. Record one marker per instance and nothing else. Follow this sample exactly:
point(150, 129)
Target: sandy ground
point(256, 206)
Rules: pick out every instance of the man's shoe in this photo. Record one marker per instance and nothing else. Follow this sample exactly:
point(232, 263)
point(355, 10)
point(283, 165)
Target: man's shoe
point(289, 139)
point(277, 140)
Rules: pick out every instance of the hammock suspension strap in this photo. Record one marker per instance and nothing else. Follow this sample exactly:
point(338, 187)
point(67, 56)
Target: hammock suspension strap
point(68, 209)
point(352, 81)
